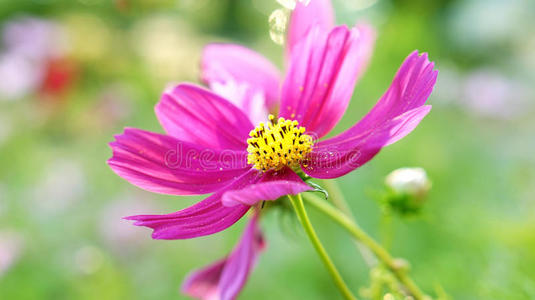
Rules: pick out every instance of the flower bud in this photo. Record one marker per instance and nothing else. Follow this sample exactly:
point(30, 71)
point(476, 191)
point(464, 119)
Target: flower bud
point(408, 188)
point(412, 181)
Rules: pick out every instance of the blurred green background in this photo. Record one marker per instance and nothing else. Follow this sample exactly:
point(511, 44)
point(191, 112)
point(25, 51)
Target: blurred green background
point(96, 66)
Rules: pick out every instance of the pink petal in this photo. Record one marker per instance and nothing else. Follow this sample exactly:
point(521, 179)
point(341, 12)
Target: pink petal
point(203, 283)
point(271, 187)
point(394, 116)
point(225, 278)
point(224, 62)
point(316, 13)
point(163, 164)
point(367, 36)
point(321, 77)
point(331, 160)
point(248, 99)
point(242, 261)
point(193, 114)
point(204, 218)
point(412, 85)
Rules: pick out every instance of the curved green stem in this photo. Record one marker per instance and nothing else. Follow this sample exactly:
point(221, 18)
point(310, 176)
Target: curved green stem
point(339, 201)
point(376, 248)
point(297, 202)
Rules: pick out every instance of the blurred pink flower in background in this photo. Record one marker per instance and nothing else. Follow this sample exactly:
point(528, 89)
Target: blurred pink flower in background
point(113, 105)
point(61, 185)
point(18, 76)
point(486, 93)
point(34, 58)
point(34, 38)
point(492, 94)
point(11, 245)
point(118, 234)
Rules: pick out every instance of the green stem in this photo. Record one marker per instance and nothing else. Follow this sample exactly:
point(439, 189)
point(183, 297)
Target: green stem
point(297, 202)
point(386, 229)
point(339, 201)
point(383, 255)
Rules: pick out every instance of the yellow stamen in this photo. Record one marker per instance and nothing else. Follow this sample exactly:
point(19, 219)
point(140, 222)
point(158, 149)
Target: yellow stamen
point(277, 144)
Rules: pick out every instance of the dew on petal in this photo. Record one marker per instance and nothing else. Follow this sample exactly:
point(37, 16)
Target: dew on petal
point(278, 21)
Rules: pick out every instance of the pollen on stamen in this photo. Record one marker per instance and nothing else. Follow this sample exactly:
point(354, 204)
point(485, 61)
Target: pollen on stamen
point(277, 144)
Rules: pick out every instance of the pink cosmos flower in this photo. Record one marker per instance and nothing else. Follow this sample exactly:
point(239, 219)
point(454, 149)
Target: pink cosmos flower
point(211, 145)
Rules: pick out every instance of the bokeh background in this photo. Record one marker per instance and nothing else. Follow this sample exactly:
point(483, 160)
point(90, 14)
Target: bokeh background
point(74, 73)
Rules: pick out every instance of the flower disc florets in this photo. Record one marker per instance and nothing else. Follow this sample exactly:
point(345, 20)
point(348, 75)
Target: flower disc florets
point(277, 144)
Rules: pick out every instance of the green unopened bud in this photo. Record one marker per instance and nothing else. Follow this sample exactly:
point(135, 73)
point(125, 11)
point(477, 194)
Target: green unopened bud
point(408, 188)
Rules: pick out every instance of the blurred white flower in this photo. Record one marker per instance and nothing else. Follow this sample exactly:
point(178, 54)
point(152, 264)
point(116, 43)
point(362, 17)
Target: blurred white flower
point(114, 105)
point(168, 48)
point(89, 36)
point(88, 259)
point(11, 244)
point(448, 89)
point(409, 181)
point(62, 184)
point(18, 76)
point(481, 24)
point(34, 38)
point(118, 233)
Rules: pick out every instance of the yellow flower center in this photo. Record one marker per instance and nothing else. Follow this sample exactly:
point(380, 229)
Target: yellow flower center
point(277, 144)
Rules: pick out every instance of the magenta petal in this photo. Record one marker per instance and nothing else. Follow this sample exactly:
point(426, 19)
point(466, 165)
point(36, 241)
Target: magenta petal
point(271, 187)
point(225, 278)
point(395, 115)
point(331, 160)
point(193, 114)
point(321, 77)
point(241, 262)
point(316, 13)
point(412, 85)
point(203, 283)
point(206, 217)
point(367, 37)
point(224, 62)
point(163, 164)
point(250, 100)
